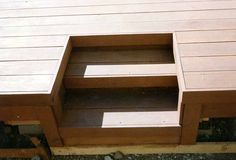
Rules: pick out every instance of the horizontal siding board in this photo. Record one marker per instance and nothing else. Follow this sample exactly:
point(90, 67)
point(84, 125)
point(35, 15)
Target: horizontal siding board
point(18, 4)
point(135, 17)
point(35, 83)
point(21, 54)
point(36, 41)
point(28, 67)
point(119, 28)
point(118, 9)
point(222, 63)
point(207, 36)
point(210, 80)
point(207, 49)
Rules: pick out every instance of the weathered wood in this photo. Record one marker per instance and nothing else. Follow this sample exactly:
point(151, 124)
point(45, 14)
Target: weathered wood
point(218, 147)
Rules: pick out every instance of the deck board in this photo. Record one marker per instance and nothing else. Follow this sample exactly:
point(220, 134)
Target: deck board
point(37, 31)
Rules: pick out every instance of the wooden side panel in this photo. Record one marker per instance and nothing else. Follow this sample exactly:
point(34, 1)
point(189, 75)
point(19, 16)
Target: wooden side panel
point(120, 136)
point(218, 110)
point(190, 122)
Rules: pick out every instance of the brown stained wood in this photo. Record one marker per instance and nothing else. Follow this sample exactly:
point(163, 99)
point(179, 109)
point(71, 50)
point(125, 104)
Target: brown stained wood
point(121, 55)
point(120, 82)
point(219, 110)
point(122, 40)
point(49, 125)
point(57, 104)
point(190, 121)
point(119, 118)
point(145, 139)
point(126, 98)
point(19, 153)
point(206, 96)
point(32, 99)
point(76, 136)
point(15, 113)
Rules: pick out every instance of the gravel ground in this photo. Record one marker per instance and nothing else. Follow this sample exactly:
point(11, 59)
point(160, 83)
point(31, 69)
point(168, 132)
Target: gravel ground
point(220, 130)
point(145, 157)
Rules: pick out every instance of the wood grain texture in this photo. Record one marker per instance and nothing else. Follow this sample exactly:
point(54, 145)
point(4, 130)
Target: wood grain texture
point(190, 122)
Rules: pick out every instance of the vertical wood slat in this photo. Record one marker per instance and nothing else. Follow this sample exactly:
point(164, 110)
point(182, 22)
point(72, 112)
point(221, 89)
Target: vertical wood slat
point(190, 122)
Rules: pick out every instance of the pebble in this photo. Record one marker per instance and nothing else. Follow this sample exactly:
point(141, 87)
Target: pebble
point(107, 158)
point(35, 158)
point(118, 155)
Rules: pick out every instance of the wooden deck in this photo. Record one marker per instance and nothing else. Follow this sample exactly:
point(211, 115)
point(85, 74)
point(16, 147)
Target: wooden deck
point(39, 61)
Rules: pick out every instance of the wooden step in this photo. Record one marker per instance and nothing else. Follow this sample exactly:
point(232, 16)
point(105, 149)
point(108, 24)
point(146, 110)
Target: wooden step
point(106, 67)
point(120, 116)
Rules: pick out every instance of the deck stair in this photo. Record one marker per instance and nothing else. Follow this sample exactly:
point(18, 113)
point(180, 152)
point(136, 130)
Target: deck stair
point(121, 94)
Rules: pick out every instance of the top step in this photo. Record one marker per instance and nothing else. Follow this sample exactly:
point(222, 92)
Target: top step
point(121, 61)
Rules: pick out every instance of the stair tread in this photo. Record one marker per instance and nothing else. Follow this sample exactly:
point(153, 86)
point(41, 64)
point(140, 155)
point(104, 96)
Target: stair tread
point(115, 108)
point(134, 70)
point(116, 118)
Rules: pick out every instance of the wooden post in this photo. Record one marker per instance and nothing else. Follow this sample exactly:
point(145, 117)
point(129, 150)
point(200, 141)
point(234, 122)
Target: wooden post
point(190, 122)
point(49, 125)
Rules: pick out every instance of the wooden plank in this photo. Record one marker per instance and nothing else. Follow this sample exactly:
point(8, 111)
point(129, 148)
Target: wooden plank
point(122, 40)
point(23, 99)
point(114, 9)
point(28, 67)
point(70, 3)
point(120, 28)
point(190, 122)
point(135, 70)
point(208, 49)
point(19, 54)
point(219, 110)
point(114, 18)
point(210, 80)
point(49, 125)
point(212, 147)
point(31, 83)
point(61, 67)
point(138, 98)
point(120, 82)
point(206, 36)
point(114, 136)
point(24, 153)
point(218, 63)
point(217, 95)
point(36, 41)
point(119, 118)
point(122, 56)
point(15, 113)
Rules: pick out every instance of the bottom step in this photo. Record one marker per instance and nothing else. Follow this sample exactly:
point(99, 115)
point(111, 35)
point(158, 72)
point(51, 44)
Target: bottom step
point(120, 116)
